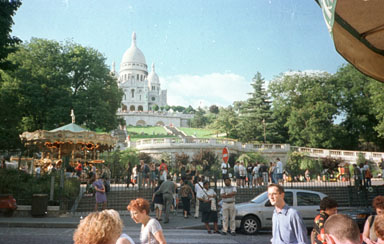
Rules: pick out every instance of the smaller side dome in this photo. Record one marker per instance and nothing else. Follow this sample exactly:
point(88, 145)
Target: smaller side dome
point(153, 78)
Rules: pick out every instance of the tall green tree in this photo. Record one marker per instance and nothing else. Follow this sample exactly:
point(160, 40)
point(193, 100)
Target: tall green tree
point(52, 78)
point(377, 98)
point(359, 93)
point(226, 122)
point(10, 112)
point(308, 104)
point(256, 113)
point(8, 43)
point(199, 120)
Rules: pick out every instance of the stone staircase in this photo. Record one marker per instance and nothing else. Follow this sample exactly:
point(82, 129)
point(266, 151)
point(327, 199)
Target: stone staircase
point(178, 133)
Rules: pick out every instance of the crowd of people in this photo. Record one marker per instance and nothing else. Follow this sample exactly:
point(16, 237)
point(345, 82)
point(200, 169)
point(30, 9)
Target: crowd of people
point(287, 224)
point(328, 227)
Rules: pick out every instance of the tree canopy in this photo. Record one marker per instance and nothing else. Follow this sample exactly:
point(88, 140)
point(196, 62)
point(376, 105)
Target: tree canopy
point(52, 78)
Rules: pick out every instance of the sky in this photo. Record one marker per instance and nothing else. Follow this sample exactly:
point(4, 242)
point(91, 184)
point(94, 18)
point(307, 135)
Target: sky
point(205, 51)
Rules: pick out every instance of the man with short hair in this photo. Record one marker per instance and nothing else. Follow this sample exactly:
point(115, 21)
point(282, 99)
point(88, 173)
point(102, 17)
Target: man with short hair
point(287, 224)
point(167, 188)
point(228, 193)
point(341, 229)
point(328, 207)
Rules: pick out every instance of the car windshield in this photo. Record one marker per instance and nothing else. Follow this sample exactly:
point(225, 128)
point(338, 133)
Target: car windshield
point(260, 198)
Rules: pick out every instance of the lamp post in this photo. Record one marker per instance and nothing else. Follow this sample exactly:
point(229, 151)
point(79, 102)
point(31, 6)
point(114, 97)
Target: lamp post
point(264, 131)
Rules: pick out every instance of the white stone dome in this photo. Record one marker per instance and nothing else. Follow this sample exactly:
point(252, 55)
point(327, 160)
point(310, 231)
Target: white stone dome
point(133, 54)
point(153, 78)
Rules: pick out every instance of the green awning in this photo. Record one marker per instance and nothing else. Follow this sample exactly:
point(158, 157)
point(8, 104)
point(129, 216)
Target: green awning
point(357, 29)
point(69, 127)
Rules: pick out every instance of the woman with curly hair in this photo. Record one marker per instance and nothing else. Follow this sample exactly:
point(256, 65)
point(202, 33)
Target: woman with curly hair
point(151, 231)
point(103, 227)
point(369, 234)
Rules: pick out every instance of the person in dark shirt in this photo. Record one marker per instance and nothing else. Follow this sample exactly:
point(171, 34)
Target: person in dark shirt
point(158, 200)
point(328, 207)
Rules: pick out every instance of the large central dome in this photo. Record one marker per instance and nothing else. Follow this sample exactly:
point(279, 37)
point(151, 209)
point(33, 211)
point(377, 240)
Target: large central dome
point(133, 54)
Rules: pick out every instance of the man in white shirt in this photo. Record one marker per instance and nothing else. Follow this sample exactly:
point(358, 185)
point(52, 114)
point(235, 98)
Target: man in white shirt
point(198, 189)
point(255, 173)
point(224, 169)
point(228, 194)
point(243, 174)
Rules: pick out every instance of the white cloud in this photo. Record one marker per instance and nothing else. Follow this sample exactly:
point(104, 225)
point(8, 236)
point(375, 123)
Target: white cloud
point(205, 90)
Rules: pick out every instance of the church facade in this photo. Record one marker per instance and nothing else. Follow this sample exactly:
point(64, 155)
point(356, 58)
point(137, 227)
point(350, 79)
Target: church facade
point(143, 93)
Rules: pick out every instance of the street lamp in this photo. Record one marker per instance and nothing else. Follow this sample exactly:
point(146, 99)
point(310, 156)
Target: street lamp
point(264, 131)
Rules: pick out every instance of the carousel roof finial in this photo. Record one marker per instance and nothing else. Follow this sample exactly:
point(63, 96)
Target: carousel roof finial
point(73, 116)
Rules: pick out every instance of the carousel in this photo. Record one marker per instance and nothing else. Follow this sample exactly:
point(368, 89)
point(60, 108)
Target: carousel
point(70, 144)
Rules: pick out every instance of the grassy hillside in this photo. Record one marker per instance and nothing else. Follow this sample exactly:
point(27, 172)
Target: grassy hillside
point(143, 132)
point(198, 132)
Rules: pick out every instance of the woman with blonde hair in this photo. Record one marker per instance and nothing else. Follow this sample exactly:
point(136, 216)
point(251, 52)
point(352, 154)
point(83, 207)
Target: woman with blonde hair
point(151, 231)
point(103, 227)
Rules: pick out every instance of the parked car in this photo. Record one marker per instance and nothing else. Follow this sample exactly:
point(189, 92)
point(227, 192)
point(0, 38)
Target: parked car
point(257, 213)
point(358, 214)
point(7, 204)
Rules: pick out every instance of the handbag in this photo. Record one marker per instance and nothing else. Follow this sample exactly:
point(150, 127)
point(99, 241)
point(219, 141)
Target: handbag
point(205, 206)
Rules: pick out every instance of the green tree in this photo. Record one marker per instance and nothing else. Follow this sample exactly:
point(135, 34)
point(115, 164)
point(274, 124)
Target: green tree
point(145, 157)
point(226, 122)
point(155, 107)
point(182, 158)
point(306, 105)
point(205, 160)
point(199, 120)
point(178, 108)
point(256, 114)
point(298, 162)
point(189, 110)
point(8, 43)
point(214, 109)
point(248, 158)
point(54, 78)
point(361, 108)
point(129, 155)
point(10, 110)
point(377, 98)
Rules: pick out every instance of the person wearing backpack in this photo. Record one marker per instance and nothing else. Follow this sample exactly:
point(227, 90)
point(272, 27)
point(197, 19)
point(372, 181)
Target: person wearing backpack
point(369, 234)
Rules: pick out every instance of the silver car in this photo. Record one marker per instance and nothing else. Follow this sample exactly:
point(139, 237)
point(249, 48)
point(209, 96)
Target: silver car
point(257, 213)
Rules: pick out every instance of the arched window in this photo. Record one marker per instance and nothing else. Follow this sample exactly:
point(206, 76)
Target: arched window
point(141, 123)
point(132, 108)
point(133, 93)
point(140, 108)
point(124, 108)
